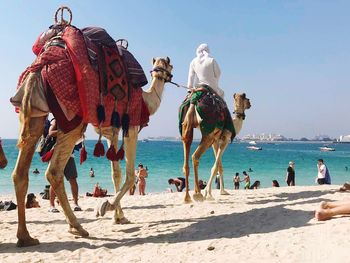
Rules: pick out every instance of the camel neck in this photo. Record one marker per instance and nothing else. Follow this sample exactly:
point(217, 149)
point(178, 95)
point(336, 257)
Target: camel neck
point(153, 96)
point(237, 123)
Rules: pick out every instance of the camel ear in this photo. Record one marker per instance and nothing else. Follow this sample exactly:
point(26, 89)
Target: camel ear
point(168, 60)
point(234, 95)
point(243, 95)
point(154, 60)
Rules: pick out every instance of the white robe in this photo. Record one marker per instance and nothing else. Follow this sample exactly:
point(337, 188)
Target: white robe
point(205, 71)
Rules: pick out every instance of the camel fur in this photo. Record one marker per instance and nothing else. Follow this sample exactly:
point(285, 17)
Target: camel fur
point(218, 139)
point(32, 128)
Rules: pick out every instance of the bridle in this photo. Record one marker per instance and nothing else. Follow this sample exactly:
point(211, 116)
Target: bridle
point(240, 115)
point(168, 76)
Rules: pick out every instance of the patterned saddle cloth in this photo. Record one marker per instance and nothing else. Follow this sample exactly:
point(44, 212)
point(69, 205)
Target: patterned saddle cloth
point(211, 108)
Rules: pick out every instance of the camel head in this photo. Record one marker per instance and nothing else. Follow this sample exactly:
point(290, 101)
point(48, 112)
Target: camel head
point(162, 69)
point(241, 103)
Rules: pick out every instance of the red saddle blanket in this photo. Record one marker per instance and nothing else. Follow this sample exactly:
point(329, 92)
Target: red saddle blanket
point(75, 85)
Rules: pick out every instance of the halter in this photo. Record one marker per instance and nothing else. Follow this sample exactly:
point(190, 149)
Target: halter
point(168, 75)
point(240, 115)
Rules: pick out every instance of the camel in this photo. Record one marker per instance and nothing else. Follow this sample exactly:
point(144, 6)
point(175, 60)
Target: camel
point(218, 139)
point(32, 126)
point(3, 160)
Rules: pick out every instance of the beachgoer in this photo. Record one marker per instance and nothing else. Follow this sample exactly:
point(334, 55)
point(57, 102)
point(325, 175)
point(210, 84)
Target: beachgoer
point(92, 172)
point(71, 174)
point(217, 181)
point(250, 170)
point(98, 191)
point(36, 171)
point(141, 174)
point(290, 177)
point(255, 185)
point(323, 176)
point(179, 182)
point(327, 210)
point(236, 180)
point(31, 201)
point(345, 187)
point(275, 183)
point(246, 179)
point(202, 184)
point(346, 168)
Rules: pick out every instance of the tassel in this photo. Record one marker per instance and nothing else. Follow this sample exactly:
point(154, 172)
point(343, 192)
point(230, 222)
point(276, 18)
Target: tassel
point(120, 153)
point(125, 124)
point(47, 156)
point(115, 120)
point(101, 115)
point(83, 155)
point(111, 154)
point(99, 149)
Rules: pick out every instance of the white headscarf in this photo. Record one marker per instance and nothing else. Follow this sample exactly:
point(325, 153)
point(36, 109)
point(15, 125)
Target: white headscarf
point(202, 52)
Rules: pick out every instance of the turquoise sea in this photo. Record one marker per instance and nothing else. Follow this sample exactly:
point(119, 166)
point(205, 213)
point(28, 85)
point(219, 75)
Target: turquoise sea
point(164, 159)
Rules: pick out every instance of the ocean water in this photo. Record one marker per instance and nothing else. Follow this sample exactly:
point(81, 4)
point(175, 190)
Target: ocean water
point(164, 160)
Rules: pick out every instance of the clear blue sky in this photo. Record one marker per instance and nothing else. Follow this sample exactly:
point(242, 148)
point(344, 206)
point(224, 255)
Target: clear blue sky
point(292, 58)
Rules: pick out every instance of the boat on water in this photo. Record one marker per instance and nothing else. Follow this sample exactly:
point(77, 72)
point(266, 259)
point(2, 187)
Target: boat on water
point(254, 148)
point(327, 149)
point(252, 142)
point(145, 140)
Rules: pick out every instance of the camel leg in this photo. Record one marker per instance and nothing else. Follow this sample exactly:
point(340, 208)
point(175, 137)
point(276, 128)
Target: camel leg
point(55, 174)
point(187, 138)
point(20, 179)
point(130, 144)
point(115, 167)
point(205, 143)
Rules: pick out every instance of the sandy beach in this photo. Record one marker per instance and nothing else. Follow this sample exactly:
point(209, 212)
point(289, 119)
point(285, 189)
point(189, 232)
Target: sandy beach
point(265, 225)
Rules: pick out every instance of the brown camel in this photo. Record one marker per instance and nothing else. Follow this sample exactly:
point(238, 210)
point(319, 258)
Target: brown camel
point(3, 160)
point(32, 126)
point(218, 139)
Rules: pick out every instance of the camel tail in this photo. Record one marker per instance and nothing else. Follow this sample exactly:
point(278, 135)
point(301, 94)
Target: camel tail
point(26, 110)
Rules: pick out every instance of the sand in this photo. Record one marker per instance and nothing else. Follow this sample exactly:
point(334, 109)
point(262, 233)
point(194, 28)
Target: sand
point(264, 225)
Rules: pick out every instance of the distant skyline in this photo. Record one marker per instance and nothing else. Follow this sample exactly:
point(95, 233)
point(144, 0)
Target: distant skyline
point(291, 58)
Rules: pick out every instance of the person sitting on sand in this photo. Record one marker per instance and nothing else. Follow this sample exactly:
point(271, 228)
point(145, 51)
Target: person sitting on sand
point(255, 185)
point(98, 191)
point(275, 183)
point(327, 210)
point(31, 201)
point(179, 182)
point(345, 187)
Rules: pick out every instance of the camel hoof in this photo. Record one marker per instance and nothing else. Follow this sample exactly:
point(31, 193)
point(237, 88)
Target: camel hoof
point(198, 197)
point(101, 208)
point(210, 198)
point(80, 231)
point(188, 200)
point(27, 242)
point(223, 192)
point(121, 221)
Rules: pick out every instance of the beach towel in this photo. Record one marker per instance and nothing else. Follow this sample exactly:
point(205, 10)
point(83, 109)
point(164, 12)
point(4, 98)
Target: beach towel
point(211, 108)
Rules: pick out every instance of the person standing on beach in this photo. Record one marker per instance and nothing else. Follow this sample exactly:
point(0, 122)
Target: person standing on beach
point(323, 176)
point(246, 179)
point(290, 177)
point(236, 181)
point(141, 174)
